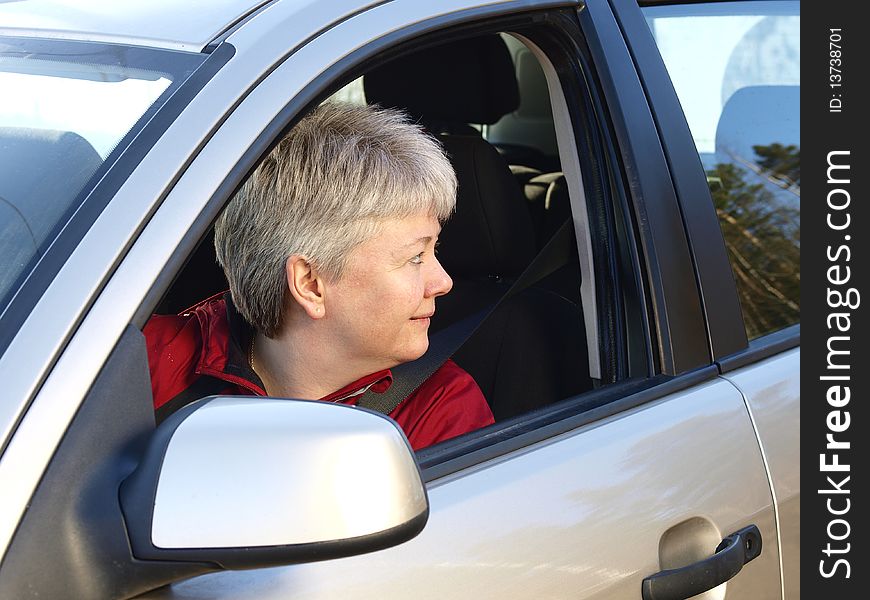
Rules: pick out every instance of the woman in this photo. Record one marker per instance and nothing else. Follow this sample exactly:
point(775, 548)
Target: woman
point(329, 250)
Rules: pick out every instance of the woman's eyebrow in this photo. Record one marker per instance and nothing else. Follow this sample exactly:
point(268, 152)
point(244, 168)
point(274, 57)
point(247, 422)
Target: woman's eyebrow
point(399, 252)
point(424, 240)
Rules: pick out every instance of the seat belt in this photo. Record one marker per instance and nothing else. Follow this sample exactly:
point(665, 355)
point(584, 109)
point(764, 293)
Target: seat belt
point(409, 376)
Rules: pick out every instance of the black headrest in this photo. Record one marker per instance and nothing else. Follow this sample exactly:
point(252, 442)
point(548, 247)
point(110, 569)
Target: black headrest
point(41, 172)
point(491, 232)
point(467, 81)
point(26, 156)
point(758, 115)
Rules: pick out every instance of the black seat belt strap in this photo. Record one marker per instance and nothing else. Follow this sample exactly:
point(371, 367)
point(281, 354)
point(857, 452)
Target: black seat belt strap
point(409, 376)
point(205, 385)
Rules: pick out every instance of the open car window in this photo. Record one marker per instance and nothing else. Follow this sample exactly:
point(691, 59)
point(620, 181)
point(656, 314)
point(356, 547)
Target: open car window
point(525, 160)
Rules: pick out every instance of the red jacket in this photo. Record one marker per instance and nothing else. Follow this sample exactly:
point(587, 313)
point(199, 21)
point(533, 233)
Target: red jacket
point(208, 340)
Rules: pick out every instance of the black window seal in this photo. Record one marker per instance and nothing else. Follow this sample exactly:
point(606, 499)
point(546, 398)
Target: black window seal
point(198, 69)
point(763, 347)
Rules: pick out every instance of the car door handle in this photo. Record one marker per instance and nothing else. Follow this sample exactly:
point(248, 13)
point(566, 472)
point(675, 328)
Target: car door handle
point(675, 584)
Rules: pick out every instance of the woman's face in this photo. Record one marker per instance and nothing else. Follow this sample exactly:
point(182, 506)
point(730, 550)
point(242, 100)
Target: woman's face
point(380, 308)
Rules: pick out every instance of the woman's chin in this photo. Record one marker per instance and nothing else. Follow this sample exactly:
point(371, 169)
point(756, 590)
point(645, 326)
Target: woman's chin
point(415, 350)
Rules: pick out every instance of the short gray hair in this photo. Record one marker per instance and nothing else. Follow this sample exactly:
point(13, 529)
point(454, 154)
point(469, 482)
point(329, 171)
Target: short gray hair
point(322, 191)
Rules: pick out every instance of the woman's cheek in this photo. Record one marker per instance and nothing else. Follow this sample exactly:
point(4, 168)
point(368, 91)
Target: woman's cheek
point(411, 286)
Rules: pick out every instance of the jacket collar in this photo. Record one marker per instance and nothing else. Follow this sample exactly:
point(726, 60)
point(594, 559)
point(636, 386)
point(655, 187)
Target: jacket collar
point(226, 342)
point(226, 338)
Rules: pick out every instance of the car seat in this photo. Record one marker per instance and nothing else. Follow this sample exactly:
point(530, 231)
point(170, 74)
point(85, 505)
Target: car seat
point(200, 278)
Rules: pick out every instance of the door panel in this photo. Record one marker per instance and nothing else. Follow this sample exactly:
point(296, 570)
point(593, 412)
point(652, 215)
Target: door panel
point(772, 391)
point(578, 516)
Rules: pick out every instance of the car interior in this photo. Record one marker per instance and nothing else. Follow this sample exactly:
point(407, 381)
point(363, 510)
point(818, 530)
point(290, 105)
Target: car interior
point(495, 122)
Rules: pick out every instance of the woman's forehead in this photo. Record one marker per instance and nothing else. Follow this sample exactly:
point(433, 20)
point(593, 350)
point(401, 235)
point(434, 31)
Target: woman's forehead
point(393, 236)
point(410, 230)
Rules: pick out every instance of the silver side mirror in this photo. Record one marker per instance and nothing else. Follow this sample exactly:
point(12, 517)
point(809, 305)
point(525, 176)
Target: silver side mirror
point(250, 482)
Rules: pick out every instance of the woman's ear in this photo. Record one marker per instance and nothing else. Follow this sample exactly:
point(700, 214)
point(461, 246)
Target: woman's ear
point(306, 286)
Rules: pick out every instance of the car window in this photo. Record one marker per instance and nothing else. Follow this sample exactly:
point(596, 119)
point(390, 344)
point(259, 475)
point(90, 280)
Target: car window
point(736, 69)
point(352, 93)
point(542, 346)
point(513, 199)
point(72, 107)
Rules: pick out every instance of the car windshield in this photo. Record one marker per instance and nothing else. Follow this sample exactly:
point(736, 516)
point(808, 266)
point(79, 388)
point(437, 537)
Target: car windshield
point(67, 111)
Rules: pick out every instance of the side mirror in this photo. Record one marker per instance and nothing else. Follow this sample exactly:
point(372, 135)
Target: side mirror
point(255, 482)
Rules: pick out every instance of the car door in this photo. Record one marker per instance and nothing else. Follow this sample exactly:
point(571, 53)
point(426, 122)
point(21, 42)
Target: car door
point(585, 500)
point(743, 117)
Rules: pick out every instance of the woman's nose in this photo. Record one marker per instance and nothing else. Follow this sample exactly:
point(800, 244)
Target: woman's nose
point(439, 282)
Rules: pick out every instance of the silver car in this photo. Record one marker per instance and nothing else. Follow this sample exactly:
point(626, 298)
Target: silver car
point(645, 386)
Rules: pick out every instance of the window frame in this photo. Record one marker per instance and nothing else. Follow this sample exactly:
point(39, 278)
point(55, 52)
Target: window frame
point(649, 358)
point(656, 362)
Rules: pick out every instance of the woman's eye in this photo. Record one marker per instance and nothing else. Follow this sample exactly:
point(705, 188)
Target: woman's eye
point(417, 260)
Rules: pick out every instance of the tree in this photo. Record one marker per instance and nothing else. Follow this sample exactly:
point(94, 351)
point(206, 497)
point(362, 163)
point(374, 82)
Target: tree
point(762, 236)
point(782, 163)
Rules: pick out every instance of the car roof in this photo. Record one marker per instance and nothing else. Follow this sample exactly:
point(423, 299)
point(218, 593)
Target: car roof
point(180, 25)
